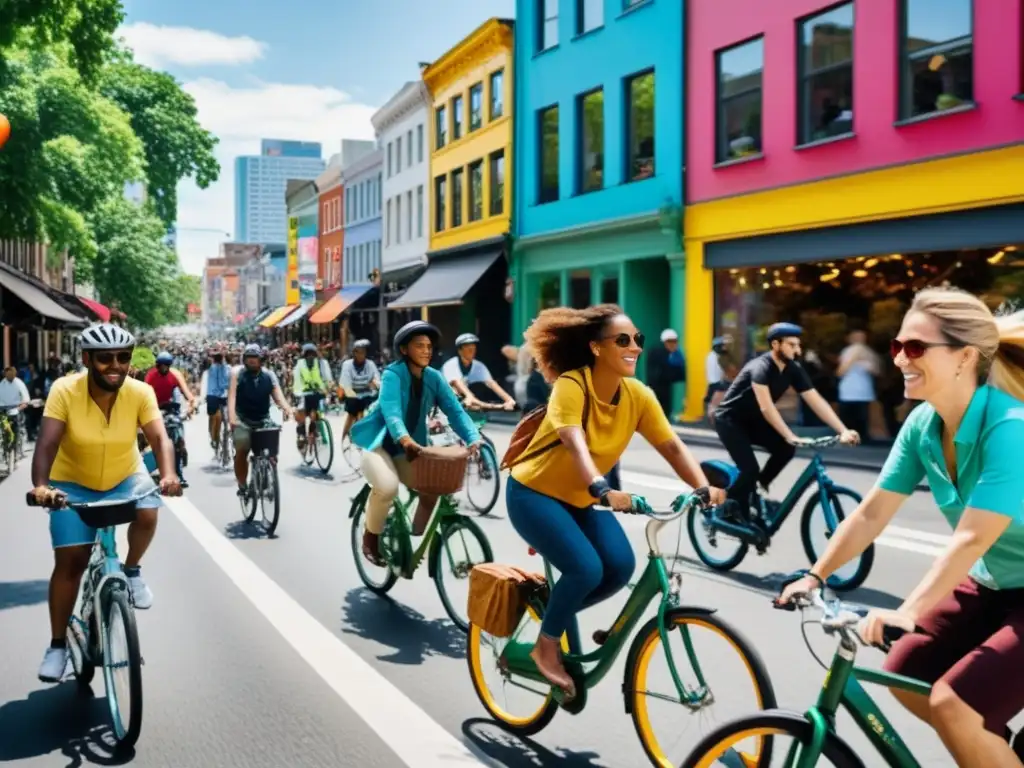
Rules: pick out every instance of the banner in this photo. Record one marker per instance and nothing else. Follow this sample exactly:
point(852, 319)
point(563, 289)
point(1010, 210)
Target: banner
point(291, 286)
point(307, 247)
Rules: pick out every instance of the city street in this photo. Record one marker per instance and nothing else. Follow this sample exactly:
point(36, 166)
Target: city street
point(270, 653)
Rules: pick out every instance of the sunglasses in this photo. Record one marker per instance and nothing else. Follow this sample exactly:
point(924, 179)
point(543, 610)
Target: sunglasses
point(915, 349)
point(106, 358)
point(623, 339)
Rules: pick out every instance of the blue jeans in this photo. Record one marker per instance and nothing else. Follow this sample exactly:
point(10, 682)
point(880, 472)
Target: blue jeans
point(587, 546)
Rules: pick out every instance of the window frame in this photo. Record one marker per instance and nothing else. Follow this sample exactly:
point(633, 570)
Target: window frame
point(387, 223)
point(477, 87)
point(542, 21)
point(581, 18)
point(458, 125)
point(804, 75)
point(398, 219)
point(581, 171)
point(492, 164)
point(419, 211)
point(440, 127)
point(389, 159)
point(460, 175)
point(905, 91)
point(408, 140)
point(440, 207)
point(627, 82)
point(398, 155)
point(500, 75)
point(720, 135)
point(539, 127)
point(419, 143)
point(470, 187)
point(408, 215)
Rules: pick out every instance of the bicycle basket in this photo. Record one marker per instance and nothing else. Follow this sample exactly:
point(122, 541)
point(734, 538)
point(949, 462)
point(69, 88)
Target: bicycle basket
point(109, 515)
point(439, 471)
point(267, 439)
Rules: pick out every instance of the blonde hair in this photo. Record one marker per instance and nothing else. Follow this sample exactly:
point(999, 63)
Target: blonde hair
point(965, 319)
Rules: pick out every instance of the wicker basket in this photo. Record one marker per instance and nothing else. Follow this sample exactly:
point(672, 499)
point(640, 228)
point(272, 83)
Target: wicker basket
point(439, 471)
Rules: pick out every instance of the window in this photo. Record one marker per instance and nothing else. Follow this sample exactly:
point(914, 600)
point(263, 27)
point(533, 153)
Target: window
point(387, 225)
point(398, 219)
point(441, 126)
point(627, 4)
point(476, 106)
point(590, 119)
point(457, 197)
point(408, 143)
point(938, 56)
point(419, 211)
point(398, 155)
point(547, 24)
point(380, 190)
point(476, 190)
point(439, 203)
point(389, 159)
point(497, 180)
point(826, 75)
point(419, 143)
point(497, 94)
point(738, 118)
point(326, 223)
point(457, 118)
point(547, 126)
point(408, 215)
point(640, 123)
point(589, 15)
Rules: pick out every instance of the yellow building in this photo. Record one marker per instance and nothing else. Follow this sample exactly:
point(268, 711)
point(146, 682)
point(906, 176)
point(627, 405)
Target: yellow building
point(470, 187)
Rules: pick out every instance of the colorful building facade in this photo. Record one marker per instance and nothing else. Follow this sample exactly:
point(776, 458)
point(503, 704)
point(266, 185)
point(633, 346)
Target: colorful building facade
point(599, 158)
point(332, 230)
point(856, 152)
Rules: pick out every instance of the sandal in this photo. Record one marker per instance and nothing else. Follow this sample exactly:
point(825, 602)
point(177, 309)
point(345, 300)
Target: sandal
point(558, 678)
point(371, 549)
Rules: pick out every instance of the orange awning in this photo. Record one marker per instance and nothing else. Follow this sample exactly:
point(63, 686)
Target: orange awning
point(338, 303)
point(278, 315)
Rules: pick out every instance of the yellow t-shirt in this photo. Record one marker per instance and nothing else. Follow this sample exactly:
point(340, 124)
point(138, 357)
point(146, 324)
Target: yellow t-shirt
point(609, 430)
point(95, 453)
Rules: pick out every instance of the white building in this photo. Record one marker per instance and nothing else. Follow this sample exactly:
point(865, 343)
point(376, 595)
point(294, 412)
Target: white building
point(401, 128)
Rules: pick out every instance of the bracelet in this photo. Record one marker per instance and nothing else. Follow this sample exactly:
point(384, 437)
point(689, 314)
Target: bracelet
point(599, 489)
point(816, 577)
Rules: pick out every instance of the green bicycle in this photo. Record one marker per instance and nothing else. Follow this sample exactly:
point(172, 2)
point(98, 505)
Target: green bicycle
point(320, 442)
point(516, 671)
point(445, 542)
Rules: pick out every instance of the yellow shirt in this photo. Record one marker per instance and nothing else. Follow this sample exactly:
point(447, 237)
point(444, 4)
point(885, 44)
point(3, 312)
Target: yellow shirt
point(95, 453)
point(609, 430)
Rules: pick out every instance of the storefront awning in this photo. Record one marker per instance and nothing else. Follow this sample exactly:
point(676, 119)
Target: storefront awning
point(277, 316)
point(338, 303)
point(295, 316)
point(262, 314)
point(101, 311)
point(447, 281)
point(37, 299)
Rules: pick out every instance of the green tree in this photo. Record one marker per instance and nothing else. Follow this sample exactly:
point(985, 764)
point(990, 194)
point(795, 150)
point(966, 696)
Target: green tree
point(186, 289)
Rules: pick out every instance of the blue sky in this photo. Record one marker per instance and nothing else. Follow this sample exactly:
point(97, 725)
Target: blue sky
point(311, 69)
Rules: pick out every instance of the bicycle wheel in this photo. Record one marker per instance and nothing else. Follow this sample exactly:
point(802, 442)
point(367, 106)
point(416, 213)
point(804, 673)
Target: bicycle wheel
point(377, 579)
point(720, 747)
point(485, 468)
point(251, 499)
point(78, 650)
point(645, 685)
point(122, 665)
point(307, 452)
point(270, 496)
point(717, 549)
point(815, 534)
point(323, 446)
point(453, 551)
point(352, 454)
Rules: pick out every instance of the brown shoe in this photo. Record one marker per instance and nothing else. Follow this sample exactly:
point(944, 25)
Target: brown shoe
point(371, 549)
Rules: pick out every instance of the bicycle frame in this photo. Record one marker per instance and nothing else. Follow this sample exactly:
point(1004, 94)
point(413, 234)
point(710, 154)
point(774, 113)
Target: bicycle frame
point(104, 562)
point(814, 472)
point(443, 515)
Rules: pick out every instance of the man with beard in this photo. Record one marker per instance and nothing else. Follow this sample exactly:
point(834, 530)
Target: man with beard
point(87, 452)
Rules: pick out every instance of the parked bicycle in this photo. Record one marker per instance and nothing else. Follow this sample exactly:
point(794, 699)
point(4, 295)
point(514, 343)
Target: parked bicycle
point(263, 488)
point(721, 542)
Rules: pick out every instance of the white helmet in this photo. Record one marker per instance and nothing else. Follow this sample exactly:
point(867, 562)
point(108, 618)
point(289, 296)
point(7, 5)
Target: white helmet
point(362, 344)
point(466, 338)
point(105, 336)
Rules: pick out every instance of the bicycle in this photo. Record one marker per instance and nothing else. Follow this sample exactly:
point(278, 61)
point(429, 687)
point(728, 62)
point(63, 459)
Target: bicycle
point(319, 441)
point(814, 733)
point(402, 561)
point(9, 434)
point(264, 486)
point(226, 447)
point(173, 423)
point(350, 452)
point(484, 464)
point(104, 602)
point(657, 582)
point(766, 518)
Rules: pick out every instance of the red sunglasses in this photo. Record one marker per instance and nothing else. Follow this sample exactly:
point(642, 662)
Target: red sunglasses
point(915, 349)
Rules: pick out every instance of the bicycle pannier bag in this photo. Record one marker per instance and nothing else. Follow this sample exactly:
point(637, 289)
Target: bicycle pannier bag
point(527, 428)
point(498, 595)
point(438, 471)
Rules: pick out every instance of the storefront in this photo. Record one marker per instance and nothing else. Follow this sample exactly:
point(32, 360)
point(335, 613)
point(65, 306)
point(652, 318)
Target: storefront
point(848, 254)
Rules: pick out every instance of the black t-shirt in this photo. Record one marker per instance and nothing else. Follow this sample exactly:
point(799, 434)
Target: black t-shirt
point(412, 416)
point(740, 404)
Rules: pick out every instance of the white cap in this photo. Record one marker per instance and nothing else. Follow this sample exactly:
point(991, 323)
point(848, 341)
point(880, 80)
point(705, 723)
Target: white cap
point(669, 335)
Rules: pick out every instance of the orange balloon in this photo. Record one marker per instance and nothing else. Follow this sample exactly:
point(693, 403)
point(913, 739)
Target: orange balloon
point(5, 130)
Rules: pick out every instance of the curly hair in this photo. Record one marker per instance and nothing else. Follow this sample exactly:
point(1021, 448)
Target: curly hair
point(560, 337)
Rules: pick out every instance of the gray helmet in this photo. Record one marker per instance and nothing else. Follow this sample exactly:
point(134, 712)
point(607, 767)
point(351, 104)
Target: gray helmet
point(307, 348)
point(362, 344)
point(415, 328)
point(252, 350)
point(466, 338)
point(105, 336)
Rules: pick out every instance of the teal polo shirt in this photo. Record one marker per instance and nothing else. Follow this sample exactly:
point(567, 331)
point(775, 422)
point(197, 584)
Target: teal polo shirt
point(990, 474)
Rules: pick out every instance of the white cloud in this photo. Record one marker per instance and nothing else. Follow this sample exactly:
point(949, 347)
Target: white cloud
point(161, 46)
point(240, 117)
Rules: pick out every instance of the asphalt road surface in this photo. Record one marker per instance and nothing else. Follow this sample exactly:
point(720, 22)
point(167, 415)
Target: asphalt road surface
point(271, 652)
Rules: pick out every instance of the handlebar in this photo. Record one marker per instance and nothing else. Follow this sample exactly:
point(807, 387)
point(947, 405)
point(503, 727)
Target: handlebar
point(679, 507)
point(816, 442)
point(489, 407)
point(839, 617)
point(64, 503)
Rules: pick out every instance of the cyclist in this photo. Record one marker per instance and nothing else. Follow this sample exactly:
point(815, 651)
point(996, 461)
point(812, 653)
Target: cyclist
point(218, 378)
point(464, 370)
point(747, 415)
point(249, 396)
point(13, 396)
point(359, 380)
point(165, 380)
point(394, 433)
point(965, 437)
point(311, 379)
point(86, 450)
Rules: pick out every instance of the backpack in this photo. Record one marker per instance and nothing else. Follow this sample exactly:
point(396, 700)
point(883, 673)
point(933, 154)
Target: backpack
point(527, 428)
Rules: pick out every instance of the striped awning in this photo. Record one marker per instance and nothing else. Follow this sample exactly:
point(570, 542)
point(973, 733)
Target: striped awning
point(295, 316)
point(277, 316)
point(338, 303)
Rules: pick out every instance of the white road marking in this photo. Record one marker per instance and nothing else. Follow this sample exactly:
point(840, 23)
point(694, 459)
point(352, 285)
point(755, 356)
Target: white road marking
point(418, 740)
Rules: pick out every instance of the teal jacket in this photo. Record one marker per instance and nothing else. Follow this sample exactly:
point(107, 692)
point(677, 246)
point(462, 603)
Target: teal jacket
point(389, 413)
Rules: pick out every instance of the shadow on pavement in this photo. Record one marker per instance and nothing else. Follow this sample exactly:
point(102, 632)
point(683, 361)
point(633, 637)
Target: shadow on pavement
point(64, 718)
point(239, 529)
point(18, 594)
point(515, 751)
point(304, 472)
point(413, 636)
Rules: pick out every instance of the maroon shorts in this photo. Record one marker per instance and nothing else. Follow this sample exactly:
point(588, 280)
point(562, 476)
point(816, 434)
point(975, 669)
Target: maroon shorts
point(974, 642)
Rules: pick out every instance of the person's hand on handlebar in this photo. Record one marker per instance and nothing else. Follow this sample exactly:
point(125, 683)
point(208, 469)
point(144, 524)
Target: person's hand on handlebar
point(47, 497)
point(508, 405)
point(805, 585)
point(170, 486)
point(849, 437)
point(474, 448)
point(716, 496)
point(872, 626)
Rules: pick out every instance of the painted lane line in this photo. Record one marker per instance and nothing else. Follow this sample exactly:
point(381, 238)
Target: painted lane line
point(909, 546)
point(417, 739)
point(914, 533)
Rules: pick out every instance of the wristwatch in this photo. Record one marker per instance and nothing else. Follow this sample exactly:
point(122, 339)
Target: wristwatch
point(599, 489)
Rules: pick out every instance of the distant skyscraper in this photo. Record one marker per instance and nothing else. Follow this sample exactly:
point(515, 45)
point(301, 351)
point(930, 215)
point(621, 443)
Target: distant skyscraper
point(260, 214)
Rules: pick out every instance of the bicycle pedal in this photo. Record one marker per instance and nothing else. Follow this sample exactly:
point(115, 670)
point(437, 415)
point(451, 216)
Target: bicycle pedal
point(601, 636)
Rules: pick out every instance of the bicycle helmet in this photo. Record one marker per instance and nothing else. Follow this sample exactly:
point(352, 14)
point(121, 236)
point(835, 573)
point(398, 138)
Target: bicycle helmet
point(307, 348)
point(416, 328)
point(466, 338)
point(719, 343)
point(361, 344)
point(780, 331)
point(252, 350)
point(105, 336)
point(164, 358)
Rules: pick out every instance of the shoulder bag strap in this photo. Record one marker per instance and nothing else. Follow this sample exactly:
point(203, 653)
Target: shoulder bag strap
point(583, 421)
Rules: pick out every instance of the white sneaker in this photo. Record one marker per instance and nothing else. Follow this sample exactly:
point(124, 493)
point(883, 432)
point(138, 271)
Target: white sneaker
point(55, 663)
point(142, 597)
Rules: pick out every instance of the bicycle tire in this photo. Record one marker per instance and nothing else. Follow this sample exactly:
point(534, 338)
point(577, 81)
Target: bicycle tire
point(327, 443)
point(692, 521)
point(383, 587)
point(867, 557)
point(271, 485)
point(490, 456)
point(78, 649)
point(439, 554)
point(782, 723)
point(116, 600)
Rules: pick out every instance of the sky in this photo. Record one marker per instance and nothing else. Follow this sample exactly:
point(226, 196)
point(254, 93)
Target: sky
point(312, 70)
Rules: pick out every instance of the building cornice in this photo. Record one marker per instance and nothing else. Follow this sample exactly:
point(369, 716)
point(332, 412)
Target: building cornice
point(490, 38)
point(365, 163)
point(410, 97)
point(606, 227)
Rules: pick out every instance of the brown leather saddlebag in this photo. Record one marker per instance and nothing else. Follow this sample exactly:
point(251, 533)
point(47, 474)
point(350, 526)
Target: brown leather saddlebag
point(498, 595)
